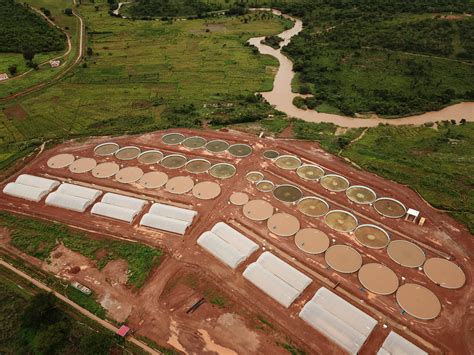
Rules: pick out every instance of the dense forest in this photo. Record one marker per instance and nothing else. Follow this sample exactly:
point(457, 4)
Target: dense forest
point(393, 57)
point(38, 325)
point(199, 8)
point(22, 30)
point(170, 8)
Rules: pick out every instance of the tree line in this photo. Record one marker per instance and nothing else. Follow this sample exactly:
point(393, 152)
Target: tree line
point(370, 56)
point(22, 30)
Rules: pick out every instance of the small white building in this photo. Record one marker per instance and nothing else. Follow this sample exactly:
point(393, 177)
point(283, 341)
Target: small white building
point(85, 290)
point(3, 76)
point(55, 63)
point(412, 215)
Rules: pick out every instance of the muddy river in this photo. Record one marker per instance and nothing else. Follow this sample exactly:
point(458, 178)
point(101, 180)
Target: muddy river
point(281, 97)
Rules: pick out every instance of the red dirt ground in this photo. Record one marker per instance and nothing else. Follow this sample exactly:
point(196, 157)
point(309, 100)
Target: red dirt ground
point(157, 311)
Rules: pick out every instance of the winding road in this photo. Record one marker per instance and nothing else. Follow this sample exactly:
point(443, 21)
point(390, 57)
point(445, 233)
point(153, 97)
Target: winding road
point(61, 74)
point(68, 50)
point(281, 97)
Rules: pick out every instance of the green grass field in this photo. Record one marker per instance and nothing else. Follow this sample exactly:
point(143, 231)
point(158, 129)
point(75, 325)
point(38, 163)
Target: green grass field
point(39, 239)
point(141, 68)
point(9, 59)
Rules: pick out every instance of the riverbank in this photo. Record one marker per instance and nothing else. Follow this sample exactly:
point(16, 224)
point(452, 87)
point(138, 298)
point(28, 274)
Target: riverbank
point(281, 96)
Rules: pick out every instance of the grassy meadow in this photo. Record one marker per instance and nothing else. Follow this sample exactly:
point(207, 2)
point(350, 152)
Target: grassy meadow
point(139, 68)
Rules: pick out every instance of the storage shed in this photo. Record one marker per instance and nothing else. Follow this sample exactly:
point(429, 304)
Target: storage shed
point(115, 212)
point(338, 320)
point(173, 212)
point(284, 271)
point(69, 202)
point(79, 191)
point(227, 244)
point(395, 344)
point(221, 249)
point(24, 191)
point(234, 238)
point(164, 223)
point(132, 203)
point(37, 181)
point(272, 285)
point(276, 278)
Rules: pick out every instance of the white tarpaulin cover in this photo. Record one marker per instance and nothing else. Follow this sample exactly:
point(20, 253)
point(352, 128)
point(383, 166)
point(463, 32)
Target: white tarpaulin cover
point(226, 244)
point(284, 271)
point(234, 238)
point(343, 310)
point(340, 321)
point(24, 191)
point(221, 249)
point(131, 203)
point(37, 181)
point(173, 212)
point(395, 344)
point(115, 212)
point(69, 202)
point(79, 191)
point(273, 286)
point(332, 327)
point(164, 223)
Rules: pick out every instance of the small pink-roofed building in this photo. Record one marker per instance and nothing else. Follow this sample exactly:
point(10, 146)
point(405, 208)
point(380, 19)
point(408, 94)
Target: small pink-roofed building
point(3, 76)
point(55, 63)
point(123, 331)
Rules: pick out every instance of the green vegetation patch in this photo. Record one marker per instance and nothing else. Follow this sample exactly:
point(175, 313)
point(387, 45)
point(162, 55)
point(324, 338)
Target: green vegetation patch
point(143, 76)
point(389, 57)
point(38, 68)
point(216, 298)
point(273, 41)
point(265, 321)
point(438, 163)
point(22, 30)
point(436, 159)
point(39, 239)
point(291, 348)
point(88, 302)
point(275, 125)
point(11, 306)
point(39, 324)
point(170, 8)
point(326, 134)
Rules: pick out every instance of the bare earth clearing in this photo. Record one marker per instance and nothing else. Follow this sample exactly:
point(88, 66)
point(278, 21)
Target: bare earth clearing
point(157, 310)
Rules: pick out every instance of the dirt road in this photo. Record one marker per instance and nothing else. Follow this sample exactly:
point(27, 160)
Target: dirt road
point(68, 50)
point(61, 74)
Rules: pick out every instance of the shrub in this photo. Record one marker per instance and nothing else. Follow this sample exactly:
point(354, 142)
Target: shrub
point(12, 69)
